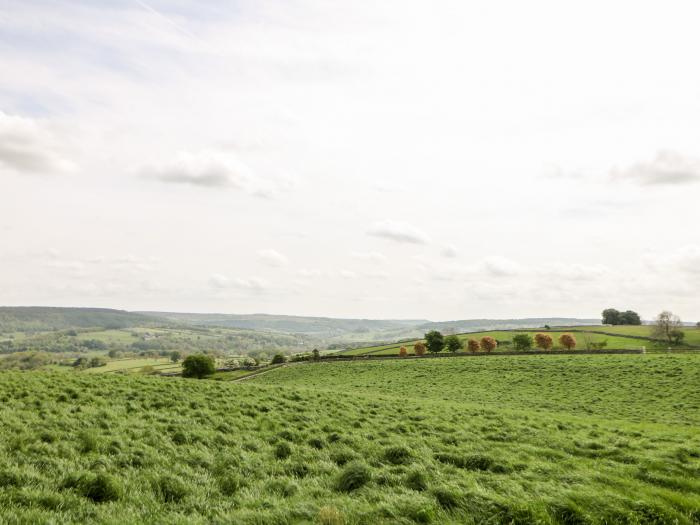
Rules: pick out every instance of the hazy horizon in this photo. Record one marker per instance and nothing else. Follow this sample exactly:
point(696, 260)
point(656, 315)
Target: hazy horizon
point(394, 160)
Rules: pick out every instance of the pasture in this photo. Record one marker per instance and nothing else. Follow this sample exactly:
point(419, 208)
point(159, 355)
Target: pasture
point(615, 337)
point(523, 439)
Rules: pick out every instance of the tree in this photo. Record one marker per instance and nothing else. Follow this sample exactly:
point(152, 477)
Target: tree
point(615, 317)
point(278, 359)
point(434, 341)
point(175, 356)
point(453, 343)
point(568, 341)
point(488, 343)
point(630, 317)
point(316, 355)
point(611, 316)
point(198, 366)
point(697, 324)
point(113, 353)
point(544, 341)
point(473, 345)
point(666, 326)
point(677, 336)
point(547, 327)
point(403, 352)
point(522, 342)
point(419, 348)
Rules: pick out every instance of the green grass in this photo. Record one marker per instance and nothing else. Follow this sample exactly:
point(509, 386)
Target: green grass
point(510, 439)
point(616, 341)
point(133, 365)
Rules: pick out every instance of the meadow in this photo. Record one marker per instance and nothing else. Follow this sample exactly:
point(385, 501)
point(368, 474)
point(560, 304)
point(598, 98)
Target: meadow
point(615, 337)
point(508, 439)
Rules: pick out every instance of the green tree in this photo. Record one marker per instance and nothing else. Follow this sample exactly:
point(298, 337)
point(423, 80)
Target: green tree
point(278, 359)
point(434, 341)
point(316, 355)
point(667, 326)
point(611, 316)
point(175, 356)
point(630, 317)
point(522, 342)
point(453, 343)
point(198, 366)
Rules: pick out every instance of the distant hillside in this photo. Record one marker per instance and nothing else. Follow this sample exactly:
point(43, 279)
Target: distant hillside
point(323, 327)
point(472, 325)
point(42, 319)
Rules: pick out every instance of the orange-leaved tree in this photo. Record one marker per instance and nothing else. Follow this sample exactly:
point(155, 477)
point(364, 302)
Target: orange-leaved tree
point(403, 352)
point(488, 343)
point(544, 341)
point(419, 348)
point(473, 345)
point(567, 341)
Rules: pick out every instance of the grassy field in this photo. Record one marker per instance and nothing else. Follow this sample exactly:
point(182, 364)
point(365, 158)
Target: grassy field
point(135, 365)
point(522, 439)
point(617, 340)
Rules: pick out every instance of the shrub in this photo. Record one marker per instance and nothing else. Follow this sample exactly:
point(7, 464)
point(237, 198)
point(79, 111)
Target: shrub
point(488, 343)
point(419, 348)
point(279, 359)
point(175, 356)
point(522, 342)
point(198, 366)
point(434, 341)
point(473, 345)
point(453, 343)
point(544, 341)
point(403, 352)
point(567, 341)
point(353, 477)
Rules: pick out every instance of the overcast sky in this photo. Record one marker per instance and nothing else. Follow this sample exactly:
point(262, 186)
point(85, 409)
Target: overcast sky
point(392, 159)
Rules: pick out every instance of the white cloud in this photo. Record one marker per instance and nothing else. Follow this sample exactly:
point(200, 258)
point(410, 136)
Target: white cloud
point(449, 251)
point(668, 167)
point(28, 146)
point(272, 257)
point(576, 271)
point(398, 231)
point(370, 256)
point(209, 169)
point(498, 266)
point(684, 260)
point(252, 284)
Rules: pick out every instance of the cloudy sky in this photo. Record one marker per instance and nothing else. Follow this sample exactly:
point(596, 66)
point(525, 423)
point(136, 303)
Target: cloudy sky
point(440, 160)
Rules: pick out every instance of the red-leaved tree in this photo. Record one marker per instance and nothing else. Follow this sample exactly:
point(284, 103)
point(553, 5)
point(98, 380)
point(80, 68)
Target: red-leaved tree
point(544, 341)
point(419, 348)
point(403, 352)
point(567, 341)
point(473, 345)
point(488, 343)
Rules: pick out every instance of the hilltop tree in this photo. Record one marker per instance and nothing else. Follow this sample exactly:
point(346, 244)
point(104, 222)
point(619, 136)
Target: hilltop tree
point(434, 341)
point(453, 343)
point(488, 343)
point(630, 317)
point(473, 345)
point(419, 348)
point(668, 326)
point(175, 356)
point(278, 359)
point(615, 317)
point(403, 352)
point(316, 355)
point(568, 341)
point(198, 366)
point(522, 342)
point(544, 341)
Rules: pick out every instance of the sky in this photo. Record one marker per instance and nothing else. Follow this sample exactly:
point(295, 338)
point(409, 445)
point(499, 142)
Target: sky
point(395, 159)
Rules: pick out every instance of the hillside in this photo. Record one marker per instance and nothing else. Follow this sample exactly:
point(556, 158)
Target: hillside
point(551, 440)
point(41, 318)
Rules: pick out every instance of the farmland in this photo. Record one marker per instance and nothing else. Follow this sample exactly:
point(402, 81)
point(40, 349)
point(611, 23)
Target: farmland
point(509, 439)
point(615, 337)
